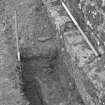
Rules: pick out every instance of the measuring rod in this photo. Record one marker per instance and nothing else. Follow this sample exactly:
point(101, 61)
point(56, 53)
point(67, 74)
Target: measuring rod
point(79, 28)
point(17, 38)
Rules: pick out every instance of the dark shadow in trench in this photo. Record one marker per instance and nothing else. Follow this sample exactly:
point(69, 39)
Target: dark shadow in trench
point(31, 87)
point(30, 68)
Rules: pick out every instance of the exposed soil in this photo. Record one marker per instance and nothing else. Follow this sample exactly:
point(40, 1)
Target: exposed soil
point(44, 74)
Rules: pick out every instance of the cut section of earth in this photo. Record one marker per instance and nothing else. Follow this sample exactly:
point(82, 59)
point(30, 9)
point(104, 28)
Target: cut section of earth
point(44, 76)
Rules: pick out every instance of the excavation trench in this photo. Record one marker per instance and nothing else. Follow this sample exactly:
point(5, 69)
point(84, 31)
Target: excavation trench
point(31, 87)
point(52, 73)
point(33, 68)
point(44, 74)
